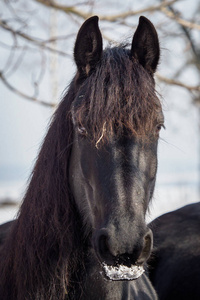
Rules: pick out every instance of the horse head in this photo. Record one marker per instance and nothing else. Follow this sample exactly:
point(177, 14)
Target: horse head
point(116, 119)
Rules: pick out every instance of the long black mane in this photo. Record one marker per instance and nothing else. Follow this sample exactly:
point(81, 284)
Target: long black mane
point(44, 239)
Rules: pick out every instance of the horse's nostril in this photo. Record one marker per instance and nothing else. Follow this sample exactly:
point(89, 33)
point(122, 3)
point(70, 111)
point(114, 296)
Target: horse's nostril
point(103, 244)
point(103, 248)
point(147, 247)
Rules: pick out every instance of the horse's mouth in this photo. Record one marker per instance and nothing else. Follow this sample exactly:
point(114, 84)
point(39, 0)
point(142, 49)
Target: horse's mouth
point(123, 272)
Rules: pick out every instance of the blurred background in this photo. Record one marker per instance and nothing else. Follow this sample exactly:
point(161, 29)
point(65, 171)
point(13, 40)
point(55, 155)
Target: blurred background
point(36, 66)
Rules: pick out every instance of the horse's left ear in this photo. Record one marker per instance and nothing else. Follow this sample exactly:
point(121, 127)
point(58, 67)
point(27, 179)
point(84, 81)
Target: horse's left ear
point(145, 45)
point(88, 46)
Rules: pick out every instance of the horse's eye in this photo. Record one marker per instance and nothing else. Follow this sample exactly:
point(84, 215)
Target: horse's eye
point(82, 130)
point(159, 127)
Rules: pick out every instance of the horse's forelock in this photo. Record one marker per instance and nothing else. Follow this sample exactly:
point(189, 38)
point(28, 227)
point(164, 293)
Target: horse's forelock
point(120, 93)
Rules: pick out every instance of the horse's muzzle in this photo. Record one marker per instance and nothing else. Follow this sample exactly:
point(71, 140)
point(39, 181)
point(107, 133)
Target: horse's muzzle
point(111, 254)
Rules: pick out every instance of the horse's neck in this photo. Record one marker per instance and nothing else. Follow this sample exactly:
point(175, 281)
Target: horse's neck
point(93, 286)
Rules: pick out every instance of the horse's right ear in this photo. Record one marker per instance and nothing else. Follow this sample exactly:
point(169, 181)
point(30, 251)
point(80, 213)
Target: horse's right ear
point(88, 46)
point(145, 45)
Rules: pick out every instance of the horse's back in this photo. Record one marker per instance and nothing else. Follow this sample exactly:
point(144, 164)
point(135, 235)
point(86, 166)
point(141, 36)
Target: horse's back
point(175, 263)
point(4, 230)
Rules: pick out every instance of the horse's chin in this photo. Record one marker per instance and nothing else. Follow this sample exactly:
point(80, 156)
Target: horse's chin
point(122, 272)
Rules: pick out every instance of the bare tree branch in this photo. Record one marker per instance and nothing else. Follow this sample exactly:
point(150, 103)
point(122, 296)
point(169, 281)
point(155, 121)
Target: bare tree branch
point(137, 12)
point(17, 63)
point(74, 11)
point(23, 95)
point(111, 18)
point(178, 83)
point(41, 44)
point(188, 34)
point(179, 20)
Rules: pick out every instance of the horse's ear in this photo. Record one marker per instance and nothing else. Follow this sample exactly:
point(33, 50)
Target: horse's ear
point(88, 46)
point(145, 45)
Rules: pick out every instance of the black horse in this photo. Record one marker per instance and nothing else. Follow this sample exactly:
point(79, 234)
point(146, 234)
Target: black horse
point(81, 232)
point(175, 262)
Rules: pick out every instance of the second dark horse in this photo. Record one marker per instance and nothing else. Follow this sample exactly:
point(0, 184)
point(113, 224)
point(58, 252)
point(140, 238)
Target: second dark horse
point(81, 231)
point(175, 263)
